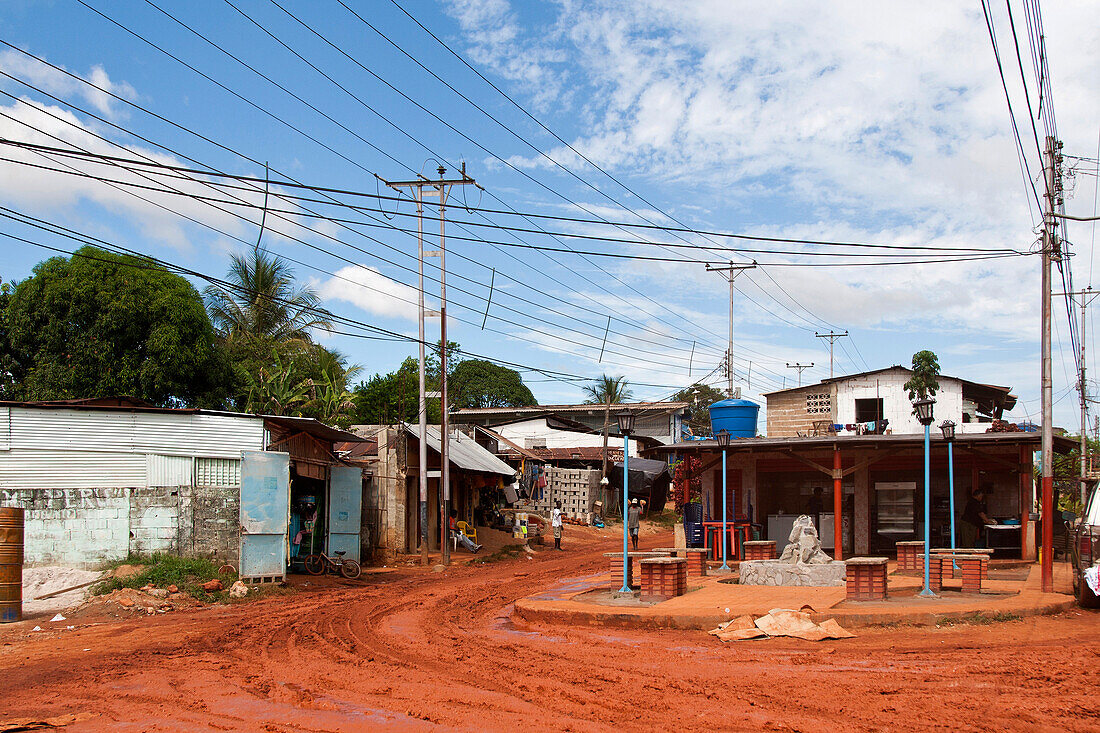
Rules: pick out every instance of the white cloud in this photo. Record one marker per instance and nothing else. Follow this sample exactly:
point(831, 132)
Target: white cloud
point(371, 291)
point(57, 82)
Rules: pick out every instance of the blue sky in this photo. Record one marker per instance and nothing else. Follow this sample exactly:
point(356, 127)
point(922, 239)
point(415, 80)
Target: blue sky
point(865, 122)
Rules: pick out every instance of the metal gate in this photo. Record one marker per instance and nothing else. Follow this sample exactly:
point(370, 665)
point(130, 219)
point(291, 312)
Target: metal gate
point(265, 514)
point(345, 510)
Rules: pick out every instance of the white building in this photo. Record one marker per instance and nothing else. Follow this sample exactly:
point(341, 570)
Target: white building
point(850, 404)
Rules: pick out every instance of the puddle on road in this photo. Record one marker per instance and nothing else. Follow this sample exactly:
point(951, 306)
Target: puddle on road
point(569, 587)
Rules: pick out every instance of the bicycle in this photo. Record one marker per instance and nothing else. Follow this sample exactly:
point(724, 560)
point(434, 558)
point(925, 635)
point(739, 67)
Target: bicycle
point(320, 563)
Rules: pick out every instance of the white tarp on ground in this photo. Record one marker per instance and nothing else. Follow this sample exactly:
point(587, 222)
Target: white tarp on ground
point(1092, 577)
point(780, 622)
point(41, 581)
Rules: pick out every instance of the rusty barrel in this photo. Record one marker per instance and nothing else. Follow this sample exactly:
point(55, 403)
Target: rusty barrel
point(11, 564)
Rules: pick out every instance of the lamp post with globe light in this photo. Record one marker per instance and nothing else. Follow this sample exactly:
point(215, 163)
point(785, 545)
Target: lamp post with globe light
point(948, 428)
point(922, 408)
point(723, 438)
point(626, 427)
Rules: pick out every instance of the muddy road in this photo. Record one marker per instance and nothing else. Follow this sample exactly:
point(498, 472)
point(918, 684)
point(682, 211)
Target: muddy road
point(416, 650)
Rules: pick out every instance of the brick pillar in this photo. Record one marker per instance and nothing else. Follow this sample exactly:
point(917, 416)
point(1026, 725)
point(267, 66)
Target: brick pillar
point(865, 579)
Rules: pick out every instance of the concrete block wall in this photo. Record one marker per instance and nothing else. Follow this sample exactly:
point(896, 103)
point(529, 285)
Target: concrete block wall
point(796, 410)
point(82, 527)
point(88, 527)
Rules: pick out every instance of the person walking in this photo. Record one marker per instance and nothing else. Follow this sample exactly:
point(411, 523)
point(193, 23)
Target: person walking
point(555, 522)
point(632, 521)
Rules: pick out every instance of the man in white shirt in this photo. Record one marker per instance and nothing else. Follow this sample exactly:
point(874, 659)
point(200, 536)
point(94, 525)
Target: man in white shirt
point(555, 522)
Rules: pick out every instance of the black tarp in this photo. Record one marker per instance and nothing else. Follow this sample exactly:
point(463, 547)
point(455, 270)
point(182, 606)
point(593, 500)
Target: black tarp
point(649, 480)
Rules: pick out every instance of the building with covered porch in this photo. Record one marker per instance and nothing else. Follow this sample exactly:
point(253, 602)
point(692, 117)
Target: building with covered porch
point(874, 483)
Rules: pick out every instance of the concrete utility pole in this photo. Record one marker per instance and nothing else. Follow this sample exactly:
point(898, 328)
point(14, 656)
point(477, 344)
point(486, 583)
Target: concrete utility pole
point(730, 272)
point(832, 338)
point(420, 188)
point(1050, 249)
point(1087, 296)
point(801, 368)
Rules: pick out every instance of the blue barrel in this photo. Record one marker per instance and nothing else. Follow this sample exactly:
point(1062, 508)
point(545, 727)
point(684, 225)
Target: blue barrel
point(736, 416)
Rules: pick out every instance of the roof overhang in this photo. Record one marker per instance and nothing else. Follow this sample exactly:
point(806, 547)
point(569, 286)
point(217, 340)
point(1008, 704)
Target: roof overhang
point(1033, 441)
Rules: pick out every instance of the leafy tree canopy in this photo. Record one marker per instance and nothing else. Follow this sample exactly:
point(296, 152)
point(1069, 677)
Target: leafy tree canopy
point(699, 397)
point(101, 324)
point(925, 370)
point(480, 383)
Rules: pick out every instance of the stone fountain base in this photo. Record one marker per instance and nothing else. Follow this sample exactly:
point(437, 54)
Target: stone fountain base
point(776, 572)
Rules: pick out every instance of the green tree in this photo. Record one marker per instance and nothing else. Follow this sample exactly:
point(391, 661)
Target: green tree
point(101, 324)
point(8, 365)
point(923, 383)
point(699, 397)
point(385, 399)
point(480, 383)
point(264, 303)
point(607, 391)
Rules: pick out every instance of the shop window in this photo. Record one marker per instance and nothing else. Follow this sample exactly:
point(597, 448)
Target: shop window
point(868, 410)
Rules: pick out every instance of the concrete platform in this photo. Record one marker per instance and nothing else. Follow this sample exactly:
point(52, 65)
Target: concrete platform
point(712, 600)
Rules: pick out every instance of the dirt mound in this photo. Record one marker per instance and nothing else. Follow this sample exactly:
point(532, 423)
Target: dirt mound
point(124, 572)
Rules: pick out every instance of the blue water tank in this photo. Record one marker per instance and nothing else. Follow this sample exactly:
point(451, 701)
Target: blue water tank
point(736, 416)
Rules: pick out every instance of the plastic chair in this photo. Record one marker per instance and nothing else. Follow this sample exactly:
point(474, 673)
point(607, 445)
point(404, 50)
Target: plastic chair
point(467, 530)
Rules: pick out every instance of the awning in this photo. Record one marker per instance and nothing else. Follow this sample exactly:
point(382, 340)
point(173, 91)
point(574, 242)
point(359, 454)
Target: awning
point(316, 428)
point(464, 452)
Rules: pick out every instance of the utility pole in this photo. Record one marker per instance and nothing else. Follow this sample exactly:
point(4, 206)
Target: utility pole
point(832, 337)
point(1087, 296)
point(801, 368)
point(730, 272)
point(1049, 251)
point(420, 188)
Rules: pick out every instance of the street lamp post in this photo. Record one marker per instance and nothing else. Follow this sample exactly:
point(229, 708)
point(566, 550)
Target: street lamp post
point(948, 429)
point(626, 427)
point(723, 438)
point(922, 408)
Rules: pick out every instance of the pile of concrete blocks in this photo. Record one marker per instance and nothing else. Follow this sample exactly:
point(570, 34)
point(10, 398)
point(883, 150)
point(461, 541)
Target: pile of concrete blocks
point(575, 488)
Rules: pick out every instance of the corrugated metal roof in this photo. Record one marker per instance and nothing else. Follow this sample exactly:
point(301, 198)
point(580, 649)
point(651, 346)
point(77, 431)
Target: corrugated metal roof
point(585, 407)
point(1061, 444)
point(464, 452)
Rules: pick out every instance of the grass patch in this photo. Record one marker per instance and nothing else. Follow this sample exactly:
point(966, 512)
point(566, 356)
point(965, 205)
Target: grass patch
point(981, 619)
point(508, 552)
point(666, 519)
point(161, 571)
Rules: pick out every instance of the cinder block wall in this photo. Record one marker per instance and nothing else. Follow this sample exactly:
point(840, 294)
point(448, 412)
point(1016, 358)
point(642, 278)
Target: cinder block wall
point(88, 527)
point(796, 410)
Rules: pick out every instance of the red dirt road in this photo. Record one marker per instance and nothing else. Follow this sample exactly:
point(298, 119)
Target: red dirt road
point(418, 650)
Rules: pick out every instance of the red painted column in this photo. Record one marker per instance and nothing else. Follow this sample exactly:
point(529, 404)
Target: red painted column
point(838, 519)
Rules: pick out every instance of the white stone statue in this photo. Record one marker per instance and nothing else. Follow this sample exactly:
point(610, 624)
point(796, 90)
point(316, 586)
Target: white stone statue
point(805, 546)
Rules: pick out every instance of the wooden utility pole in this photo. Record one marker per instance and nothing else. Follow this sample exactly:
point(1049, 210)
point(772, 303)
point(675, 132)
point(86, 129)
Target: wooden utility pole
point(730, 272)
point(420, 188)
point(832, 338)
point(801, 368)
point(1049, 249)
point(1087, 296)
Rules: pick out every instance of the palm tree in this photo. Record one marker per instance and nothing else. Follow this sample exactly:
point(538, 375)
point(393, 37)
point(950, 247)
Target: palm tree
point(263, 302)
point(607, 391)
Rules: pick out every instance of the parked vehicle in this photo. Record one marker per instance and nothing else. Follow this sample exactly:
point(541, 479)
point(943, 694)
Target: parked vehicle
point(1084, 536)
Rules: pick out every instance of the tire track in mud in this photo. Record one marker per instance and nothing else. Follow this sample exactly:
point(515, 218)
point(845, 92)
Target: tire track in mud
point(421, 650)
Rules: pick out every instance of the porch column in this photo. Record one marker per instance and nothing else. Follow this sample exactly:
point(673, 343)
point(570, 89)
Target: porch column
point(1027, 539)
point(838, 496)
point(861, 530)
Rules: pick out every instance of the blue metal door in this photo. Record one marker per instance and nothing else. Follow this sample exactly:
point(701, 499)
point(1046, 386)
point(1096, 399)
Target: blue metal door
point(265, 512)
point(345, 502)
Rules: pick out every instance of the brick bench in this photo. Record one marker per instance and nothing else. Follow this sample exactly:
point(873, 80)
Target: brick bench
point(865, 578)
point(663, 578)
point(911, 555)
point(970, 567)
point(616, 563)
point(696, 559)
point(983, 553)
point(760, 550)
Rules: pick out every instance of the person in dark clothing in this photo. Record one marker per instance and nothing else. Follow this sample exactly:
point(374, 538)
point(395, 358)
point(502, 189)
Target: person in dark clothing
point(816, 505)
point(633, 517)
point(974, 519)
